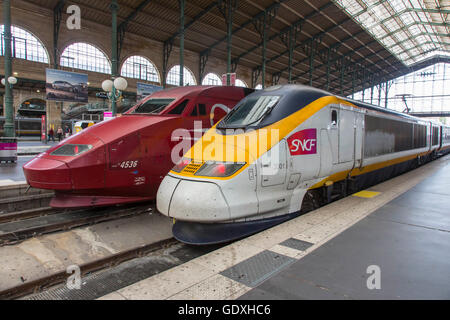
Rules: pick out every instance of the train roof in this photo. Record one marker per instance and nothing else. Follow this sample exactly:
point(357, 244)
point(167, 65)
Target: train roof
point(293, 94)
point(224, 91)
point(372, 107)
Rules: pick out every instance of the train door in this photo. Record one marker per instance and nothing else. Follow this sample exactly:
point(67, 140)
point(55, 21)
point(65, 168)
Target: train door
point(272, 169)
point(359, 137)
point(333, 134)
point(326, 155)
point(346, 135)
point(125, 156)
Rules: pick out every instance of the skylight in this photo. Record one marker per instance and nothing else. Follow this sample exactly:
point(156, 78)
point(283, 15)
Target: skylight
point(412, 30)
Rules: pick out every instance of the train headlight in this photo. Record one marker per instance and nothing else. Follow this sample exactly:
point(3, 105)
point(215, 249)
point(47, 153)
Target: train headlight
point(71, 150)
point(181, 165)
point(219, 169)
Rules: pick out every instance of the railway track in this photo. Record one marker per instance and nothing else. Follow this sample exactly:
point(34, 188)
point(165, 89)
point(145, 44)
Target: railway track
point(43, 283)
point(19, 226)
point(25, 213)
point(112, 273)
point(21, 197)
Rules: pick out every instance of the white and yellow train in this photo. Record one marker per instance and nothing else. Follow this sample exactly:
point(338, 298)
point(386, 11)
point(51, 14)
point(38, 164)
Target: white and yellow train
point(284, 151)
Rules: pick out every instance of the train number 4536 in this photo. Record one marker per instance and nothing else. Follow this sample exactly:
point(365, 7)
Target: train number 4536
point(128, 164)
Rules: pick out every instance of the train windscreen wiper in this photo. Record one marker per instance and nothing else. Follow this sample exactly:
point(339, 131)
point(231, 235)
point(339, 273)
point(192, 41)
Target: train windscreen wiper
point(260, 118)
point(250, 112)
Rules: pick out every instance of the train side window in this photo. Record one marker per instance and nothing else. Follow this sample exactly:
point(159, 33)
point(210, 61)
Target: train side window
point(202, 109)
point(194, 112)
point(179, 108)
point(334, 118)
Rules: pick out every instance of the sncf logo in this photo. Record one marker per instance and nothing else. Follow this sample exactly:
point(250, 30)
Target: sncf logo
point(303, 142)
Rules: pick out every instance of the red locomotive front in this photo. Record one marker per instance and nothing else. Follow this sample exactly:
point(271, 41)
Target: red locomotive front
point(124, 160)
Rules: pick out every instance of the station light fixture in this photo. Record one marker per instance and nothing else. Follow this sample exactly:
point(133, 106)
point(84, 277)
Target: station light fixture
point(107, 85)
point(120, 84)
point(11, 80)
point(114, 90)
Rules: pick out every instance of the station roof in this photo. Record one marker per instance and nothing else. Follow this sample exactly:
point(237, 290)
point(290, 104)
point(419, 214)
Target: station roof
point(341, 38)
point(412, 30)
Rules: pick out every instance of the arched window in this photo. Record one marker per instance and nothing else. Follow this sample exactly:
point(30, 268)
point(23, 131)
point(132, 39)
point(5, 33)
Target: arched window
point(173, 77)
point(138, 67)
point(212, 79)
point(84, 56)
point(240, 83)
point(259, 87)
point(24, 45)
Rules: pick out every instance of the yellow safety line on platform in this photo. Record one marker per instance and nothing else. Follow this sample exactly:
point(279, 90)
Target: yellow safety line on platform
point(366, 194)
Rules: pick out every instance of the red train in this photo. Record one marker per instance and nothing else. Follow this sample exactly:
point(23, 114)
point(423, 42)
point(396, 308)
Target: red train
point(125, 159)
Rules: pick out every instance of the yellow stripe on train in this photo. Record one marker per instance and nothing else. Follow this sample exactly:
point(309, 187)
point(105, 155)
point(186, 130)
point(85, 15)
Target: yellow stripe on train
point(250, 145)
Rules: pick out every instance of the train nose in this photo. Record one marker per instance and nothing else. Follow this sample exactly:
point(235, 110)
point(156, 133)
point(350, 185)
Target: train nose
point(191, 200)
point(45, 173)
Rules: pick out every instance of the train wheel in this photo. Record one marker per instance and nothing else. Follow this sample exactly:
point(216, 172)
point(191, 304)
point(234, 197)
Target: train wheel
point(311, 201)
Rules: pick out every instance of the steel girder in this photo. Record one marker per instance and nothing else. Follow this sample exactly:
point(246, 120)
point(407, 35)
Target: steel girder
point(285, 30)
point(168, 44)
point(124, 24)
point(57, 15)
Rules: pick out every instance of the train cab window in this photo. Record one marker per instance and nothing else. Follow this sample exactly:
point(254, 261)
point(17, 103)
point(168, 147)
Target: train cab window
point(153, 106)
point(202, 109)
point(250, 112)
point(199, 109)
point(334, 118)
point(179, 108)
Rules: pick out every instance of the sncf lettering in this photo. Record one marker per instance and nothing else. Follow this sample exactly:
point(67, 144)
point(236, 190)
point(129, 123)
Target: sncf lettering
point(303, 142)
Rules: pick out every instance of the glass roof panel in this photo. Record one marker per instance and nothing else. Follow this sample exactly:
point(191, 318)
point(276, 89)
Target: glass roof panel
point(412, 30)
point(415, 30)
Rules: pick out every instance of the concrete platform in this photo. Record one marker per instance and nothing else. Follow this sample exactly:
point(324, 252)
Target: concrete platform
point(11, 173)
point(33, 147)
point(403, 228)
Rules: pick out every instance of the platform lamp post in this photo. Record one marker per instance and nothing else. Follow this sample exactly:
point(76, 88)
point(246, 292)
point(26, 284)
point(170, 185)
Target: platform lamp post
point(114, 90)
point(8, 143)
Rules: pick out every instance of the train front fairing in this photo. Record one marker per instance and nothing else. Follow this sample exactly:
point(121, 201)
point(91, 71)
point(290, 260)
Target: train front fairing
point(124, 160)
point(279, 152)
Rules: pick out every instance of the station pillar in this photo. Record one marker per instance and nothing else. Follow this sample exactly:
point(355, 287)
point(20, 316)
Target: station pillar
point(8, 143)
point(54, 110)
point(114, 51)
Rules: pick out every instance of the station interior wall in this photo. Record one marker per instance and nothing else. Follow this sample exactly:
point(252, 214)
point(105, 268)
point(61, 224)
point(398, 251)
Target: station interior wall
point(39, 22)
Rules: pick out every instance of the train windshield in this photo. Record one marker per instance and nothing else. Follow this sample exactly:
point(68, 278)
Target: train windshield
point(249, 112)
point(153, 106)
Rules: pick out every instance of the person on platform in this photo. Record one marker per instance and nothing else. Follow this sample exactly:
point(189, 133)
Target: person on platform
point(60, 134)
point(51, 135)
point(68, 132)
